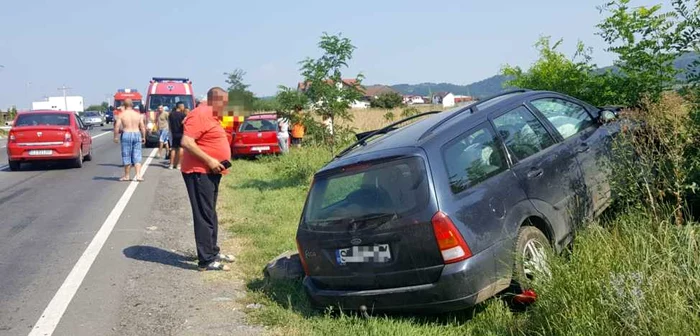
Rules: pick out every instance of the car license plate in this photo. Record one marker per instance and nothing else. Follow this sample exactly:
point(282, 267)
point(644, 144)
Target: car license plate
point(360, 254)
point(260, 149)
point(40, 152)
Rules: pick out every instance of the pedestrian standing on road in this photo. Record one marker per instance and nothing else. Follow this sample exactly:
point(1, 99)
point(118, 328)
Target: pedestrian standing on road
point(175, 120)
point(206, 147)
point(129, 129)
point(164, 132)
point(283, 134)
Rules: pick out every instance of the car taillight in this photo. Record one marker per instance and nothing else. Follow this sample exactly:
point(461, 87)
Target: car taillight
point(68, 137)
point(450, 241)
point(302, 258)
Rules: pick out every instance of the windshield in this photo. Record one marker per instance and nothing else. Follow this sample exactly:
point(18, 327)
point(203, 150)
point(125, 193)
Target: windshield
point(169, 101)
point(262, 125)
point(43, 119)
point(92, 114)
point(137, 104)
point(382, 191)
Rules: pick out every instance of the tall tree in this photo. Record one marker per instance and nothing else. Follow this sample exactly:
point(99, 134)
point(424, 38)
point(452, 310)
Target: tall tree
point(328, 93)
point(235, 80)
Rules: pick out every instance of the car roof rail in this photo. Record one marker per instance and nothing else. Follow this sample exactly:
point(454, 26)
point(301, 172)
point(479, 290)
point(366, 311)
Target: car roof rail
point(471, 107)
point(386, 129)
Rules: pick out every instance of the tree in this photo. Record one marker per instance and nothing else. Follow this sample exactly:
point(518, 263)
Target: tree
point(291, 101)
point(387, 100)
point(238, 94)
point(235, 80)
point(576, 77)
point(644, 40)
point(102, 107)
point(329, 95)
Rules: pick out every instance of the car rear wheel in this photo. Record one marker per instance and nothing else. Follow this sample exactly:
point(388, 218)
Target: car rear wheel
point(531, 250)
point(14, 165)
point(88, 157)
point(78, 162)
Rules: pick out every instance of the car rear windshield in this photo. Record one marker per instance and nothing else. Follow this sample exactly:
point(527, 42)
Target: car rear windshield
point(384, 190)
point(260, 125)
point(92, 114)
point(43, 119)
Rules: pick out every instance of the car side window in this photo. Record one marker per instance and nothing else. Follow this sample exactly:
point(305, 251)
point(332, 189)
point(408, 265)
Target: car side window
point(567, 117)
point(473, 158)
point(522, 132)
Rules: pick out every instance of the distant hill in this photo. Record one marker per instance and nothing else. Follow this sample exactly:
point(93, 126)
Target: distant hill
point(494, 84)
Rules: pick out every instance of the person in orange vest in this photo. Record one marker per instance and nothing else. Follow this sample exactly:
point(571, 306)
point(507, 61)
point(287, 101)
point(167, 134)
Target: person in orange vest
point(298, 130)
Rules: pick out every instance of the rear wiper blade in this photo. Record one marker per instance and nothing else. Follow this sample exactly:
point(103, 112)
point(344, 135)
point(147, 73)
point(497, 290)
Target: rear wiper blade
point(361, 222)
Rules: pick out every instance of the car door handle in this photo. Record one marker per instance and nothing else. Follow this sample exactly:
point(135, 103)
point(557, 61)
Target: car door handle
point(535, 173)
point(583, 148)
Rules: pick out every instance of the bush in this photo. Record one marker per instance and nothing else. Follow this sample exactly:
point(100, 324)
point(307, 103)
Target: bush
point(388, 100)
point(409, 112)
point(389, 116)
point(656, 155)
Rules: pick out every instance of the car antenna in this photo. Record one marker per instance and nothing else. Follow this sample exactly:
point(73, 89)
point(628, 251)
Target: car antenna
point(385, 129)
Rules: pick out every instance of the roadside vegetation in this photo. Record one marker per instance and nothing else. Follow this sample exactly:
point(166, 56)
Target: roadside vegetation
point(634, 271)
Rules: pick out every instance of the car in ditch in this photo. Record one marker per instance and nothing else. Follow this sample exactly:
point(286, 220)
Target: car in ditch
point(47, 135)
point(453, 209)
point(257, 135)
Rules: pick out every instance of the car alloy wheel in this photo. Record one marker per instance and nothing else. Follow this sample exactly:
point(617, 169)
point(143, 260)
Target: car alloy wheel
point(534, 259)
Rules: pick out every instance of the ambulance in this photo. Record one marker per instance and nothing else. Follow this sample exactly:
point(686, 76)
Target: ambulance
point(165, 91)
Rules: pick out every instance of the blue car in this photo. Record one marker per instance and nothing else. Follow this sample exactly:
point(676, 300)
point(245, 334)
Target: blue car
point(455, 208)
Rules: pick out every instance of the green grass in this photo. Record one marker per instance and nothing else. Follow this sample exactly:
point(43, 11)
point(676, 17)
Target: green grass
point(627, 276)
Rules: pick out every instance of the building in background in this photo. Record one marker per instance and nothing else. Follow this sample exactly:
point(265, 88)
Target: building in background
point(75, 104)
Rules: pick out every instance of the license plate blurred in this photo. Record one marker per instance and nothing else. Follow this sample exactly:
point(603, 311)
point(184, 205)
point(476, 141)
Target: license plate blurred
point(260, 149)
point(361, 254)
point(40, 152)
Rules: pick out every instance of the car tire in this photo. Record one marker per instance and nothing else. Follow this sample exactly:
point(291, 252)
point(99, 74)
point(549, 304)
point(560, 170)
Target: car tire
point(78, 162)
point(88, 157)
point(14, 165)
point(102, 124)
point(531, 248)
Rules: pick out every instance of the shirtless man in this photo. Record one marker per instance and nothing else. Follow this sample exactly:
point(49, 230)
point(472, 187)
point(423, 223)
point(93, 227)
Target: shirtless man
point(130, 129)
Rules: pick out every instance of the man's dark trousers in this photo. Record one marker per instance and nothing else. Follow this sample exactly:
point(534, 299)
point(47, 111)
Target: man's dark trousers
point(203, 190)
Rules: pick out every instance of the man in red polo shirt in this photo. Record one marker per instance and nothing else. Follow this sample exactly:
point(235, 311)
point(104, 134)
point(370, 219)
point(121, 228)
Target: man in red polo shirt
point(206, 146)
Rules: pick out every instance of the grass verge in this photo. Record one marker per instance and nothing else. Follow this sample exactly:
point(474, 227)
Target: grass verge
point(629, 275)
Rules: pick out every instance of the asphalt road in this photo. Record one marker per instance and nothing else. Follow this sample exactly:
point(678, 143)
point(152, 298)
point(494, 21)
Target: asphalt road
point(142, 280)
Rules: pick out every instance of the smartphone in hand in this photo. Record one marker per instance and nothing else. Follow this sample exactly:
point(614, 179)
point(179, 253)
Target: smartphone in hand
point(226, 164)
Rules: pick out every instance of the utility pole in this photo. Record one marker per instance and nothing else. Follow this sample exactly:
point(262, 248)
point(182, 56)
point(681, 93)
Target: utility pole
point(64, 88)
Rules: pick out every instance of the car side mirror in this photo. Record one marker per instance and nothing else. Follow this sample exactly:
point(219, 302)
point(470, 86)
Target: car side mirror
point(607, 116)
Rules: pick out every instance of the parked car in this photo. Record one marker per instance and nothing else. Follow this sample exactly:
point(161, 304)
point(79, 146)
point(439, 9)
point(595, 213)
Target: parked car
point(448, 211)
point(93, 118)
point(257, 135)
point(47, 136)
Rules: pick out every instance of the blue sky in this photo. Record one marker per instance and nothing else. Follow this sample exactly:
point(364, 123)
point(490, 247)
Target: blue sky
point(98, 46)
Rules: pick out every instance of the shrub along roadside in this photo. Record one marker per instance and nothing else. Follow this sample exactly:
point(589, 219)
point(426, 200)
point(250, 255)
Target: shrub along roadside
point(633, 274)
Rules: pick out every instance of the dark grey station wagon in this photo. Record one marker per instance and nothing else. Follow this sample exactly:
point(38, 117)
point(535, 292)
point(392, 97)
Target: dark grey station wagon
point(453, 209)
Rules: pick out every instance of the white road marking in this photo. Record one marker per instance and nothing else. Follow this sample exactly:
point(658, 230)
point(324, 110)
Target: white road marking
point(101, 134)
point(4, 167)
point(57, 307)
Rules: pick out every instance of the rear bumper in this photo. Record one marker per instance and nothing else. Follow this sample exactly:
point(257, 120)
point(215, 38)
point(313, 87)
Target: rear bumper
point(93, 123)
point(59, 152)
point(245, 150)
point(461, 285)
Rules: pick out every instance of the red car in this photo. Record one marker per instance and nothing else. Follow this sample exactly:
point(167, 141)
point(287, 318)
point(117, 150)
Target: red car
point(257, 135)
point(48, 135)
